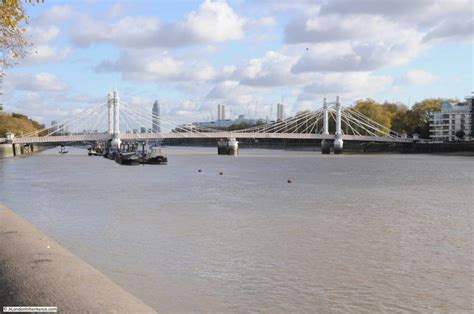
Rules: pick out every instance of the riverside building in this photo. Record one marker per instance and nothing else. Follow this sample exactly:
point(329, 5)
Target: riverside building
point(453, 118)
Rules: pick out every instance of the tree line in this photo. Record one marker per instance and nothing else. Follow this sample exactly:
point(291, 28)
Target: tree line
point(399, 117)
point(18, 124)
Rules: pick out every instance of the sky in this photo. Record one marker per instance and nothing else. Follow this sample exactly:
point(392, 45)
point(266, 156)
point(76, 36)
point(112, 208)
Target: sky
point(246, 54)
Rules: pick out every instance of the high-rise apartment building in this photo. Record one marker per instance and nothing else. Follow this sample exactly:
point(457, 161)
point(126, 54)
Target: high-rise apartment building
point(280, 112)
point(155, 120)
point(453, 118)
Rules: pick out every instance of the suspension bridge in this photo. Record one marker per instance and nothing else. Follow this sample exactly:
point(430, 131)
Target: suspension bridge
point(116, 122)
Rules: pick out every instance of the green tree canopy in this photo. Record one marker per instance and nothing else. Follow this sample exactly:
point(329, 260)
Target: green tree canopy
point(374, 111)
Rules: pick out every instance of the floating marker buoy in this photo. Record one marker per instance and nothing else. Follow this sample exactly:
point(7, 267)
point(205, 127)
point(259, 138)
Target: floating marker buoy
point(221, 173)
point(199, 170)
point(289, 181)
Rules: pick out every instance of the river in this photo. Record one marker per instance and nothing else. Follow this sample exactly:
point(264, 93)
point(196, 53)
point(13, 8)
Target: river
point(358, 233)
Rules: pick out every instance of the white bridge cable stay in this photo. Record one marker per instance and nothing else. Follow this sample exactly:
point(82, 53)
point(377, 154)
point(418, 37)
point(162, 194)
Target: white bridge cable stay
point(383, 129)
point(360, 124)
point(366, 125)
point(87, 125)
point(100, 119)
point(291, 124)
point(143, 119)
point(173, 124)
point(65, 122)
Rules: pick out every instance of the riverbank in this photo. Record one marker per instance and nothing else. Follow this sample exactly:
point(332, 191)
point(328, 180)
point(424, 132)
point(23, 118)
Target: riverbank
point(455, 148)
point(12, 150)
point(37, 271)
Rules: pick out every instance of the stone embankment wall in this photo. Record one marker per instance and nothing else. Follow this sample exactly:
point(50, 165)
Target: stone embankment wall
point(10, 150)
point(349, 146)
point(37, 271)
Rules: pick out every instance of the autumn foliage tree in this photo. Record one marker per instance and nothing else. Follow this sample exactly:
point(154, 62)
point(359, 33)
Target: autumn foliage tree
point(13, 20)
point(17, 123)
point(399, 117)
point(12, 41)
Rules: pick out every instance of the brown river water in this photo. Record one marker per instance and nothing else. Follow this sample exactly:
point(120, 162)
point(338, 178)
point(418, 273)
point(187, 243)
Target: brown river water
point(351, 233)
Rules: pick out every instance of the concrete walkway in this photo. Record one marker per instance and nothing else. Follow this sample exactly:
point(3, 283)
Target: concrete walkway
point(37, 271)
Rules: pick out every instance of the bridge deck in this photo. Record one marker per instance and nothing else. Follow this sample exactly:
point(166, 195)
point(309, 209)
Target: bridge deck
point(195, 135)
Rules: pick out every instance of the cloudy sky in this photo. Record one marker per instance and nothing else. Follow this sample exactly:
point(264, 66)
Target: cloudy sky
point(247, 54)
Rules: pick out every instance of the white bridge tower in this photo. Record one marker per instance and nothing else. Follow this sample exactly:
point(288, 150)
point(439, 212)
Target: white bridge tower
point(325, 144)
point(110, 108)
point(338, 143)
point(116, 123)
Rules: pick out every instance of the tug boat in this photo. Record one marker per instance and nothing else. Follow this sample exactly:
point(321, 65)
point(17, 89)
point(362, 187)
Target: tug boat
point(154, 157)
point(228, 146)
point(127, 158)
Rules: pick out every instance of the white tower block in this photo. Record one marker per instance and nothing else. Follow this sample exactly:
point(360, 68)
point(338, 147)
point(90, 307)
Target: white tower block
point(110, 107)
point(116, 102)
point(338, 143)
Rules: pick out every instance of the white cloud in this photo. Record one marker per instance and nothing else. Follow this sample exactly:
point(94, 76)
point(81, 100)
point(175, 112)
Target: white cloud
point(417, 12)
point(418, 78)
point(232, 93)
point(452, 30)
point(42, 34)
point(41, 82)
point(362, 43)
point(57, 13)
point(154, 66)
point(45, 109)
point(273, 69)
point(212, 22)
point(266, 21)
point(349, 85)
point(116, 10)
point(40, 54)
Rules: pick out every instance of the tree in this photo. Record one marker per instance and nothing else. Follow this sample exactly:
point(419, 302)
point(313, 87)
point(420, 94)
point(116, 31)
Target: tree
point(460, 134)
point(397, 116)
point(18, 124)
point(374, 111)
point(13, 20)
point(419, 121)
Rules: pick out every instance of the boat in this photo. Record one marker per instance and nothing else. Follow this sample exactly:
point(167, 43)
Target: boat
point(62, 150)
point(95, 151)
point(154, 157)
point(227, 146)
point(112, 153)
point(127, 158)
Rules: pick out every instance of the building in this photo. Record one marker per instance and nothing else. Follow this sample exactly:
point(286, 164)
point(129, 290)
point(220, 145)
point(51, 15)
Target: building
point(220, 112)
point(452, 118)
point(155, 120)
point(225, 123)
point(280, 112)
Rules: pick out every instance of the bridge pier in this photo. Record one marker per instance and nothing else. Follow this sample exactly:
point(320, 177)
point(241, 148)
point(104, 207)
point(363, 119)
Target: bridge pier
point(228, 146)
point(326, 147)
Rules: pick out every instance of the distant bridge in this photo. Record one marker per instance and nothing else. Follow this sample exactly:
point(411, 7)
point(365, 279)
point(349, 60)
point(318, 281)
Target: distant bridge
point(194, 135)
point(347, 123)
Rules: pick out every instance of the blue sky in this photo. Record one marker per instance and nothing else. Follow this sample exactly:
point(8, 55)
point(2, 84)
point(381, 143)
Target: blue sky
point(245, 54)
